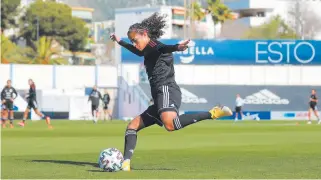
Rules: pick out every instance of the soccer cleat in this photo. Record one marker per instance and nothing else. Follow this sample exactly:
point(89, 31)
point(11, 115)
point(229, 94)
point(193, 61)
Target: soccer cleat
point(126, 165)
point(22, 124)
point(319, 122)
point(11, 126)
point(220, 111)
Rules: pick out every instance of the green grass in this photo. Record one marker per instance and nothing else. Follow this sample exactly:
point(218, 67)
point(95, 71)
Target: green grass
point(211, 149)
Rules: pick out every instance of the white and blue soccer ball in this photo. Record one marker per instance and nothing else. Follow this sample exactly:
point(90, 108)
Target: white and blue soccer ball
point(110, 160)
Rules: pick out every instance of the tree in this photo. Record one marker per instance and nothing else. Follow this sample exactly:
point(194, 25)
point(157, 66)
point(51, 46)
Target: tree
point(219, 11)
point(8, 13)
point(306, 21)
point(48, 22)
point(45, 19)
point(79, 36)
point(275, 28)
point(10, 53)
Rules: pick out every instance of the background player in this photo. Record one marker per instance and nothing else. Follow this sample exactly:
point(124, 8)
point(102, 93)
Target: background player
point(8, 95)
point(32, 104)
point(238, 107)
point(106, 100)
point(159, 63)
point(313, 106)
point(94, 97)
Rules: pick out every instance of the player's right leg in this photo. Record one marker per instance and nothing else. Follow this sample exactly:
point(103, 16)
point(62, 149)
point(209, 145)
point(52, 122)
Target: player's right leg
point(94, 113)
point(4, 114)
point(309, 114)
point(146, 119)
point(316, 113)
point(25, 116)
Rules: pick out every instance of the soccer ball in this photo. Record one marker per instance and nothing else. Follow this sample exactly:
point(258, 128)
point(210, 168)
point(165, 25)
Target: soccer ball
point(110, 160)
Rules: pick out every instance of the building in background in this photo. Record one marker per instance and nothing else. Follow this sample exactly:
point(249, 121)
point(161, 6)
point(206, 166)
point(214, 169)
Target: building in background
point(297, 13)
point(175, 21)
point(85, 14)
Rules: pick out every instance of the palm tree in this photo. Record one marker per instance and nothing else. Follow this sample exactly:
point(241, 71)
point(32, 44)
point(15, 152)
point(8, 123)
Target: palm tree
point(45, 51)
point(218, 10)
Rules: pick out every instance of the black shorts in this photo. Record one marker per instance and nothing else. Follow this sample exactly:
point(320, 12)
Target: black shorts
point(94, 107)
point(105, 106)
point(32, 104)
point(166, 98)
point(8, 105)
point(313, 106)
point(238, 109)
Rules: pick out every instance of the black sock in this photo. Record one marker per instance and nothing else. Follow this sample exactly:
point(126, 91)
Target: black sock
point(11, 120)
point(130, 143)
point(187, 119)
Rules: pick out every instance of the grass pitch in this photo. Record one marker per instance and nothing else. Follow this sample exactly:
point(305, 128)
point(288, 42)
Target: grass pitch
point(209, 149)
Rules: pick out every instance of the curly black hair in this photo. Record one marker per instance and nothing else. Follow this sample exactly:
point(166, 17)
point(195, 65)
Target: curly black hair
point(153, 25)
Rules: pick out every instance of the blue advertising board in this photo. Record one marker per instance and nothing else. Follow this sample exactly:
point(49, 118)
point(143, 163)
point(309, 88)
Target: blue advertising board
point(241, 52)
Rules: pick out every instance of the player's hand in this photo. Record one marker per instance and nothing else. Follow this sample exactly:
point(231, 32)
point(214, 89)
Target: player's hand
point(11, 99)
point(3, 101)
point(114, 37)
point(183, 45)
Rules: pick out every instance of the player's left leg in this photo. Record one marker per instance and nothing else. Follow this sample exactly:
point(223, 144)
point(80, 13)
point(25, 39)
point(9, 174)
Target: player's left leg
point(94, 112)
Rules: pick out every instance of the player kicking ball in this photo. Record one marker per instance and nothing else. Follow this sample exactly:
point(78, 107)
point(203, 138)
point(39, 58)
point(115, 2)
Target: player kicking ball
point(32, 104)
point(159, 63)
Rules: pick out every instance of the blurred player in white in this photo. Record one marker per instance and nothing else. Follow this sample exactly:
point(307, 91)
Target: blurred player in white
point(239, 102)
point(313, 106)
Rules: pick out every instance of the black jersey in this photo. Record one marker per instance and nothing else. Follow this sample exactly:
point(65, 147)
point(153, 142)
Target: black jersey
point(314, 97)
point(158, 61)
point(8, 93)
point(32, 96)
point(94, 97)
point(106, 98)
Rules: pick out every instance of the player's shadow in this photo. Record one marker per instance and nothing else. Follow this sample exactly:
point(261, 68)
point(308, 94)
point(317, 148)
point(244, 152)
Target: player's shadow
point(76, 163)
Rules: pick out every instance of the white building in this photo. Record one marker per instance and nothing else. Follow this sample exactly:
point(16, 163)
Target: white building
point(125, 17)
point(256, 12)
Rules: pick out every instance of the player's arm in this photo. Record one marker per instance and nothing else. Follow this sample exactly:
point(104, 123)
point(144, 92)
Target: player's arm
point(2, 96)
point(126, 45)
point(108, 98)
point(131, 48)
point(14, 92)
point(172, 48)
point(100, 97)
point(89, 98)
point(313, 100)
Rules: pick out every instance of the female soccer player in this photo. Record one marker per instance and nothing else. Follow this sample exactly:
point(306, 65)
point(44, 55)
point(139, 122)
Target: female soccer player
point(158, 61)
point(32, 104)
point(313, 106)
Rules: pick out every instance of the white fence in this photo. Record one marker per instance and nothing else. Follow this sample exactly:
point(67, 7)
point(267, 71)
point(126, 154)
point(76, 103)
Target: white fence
point(236, 75)
point(58, 77)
